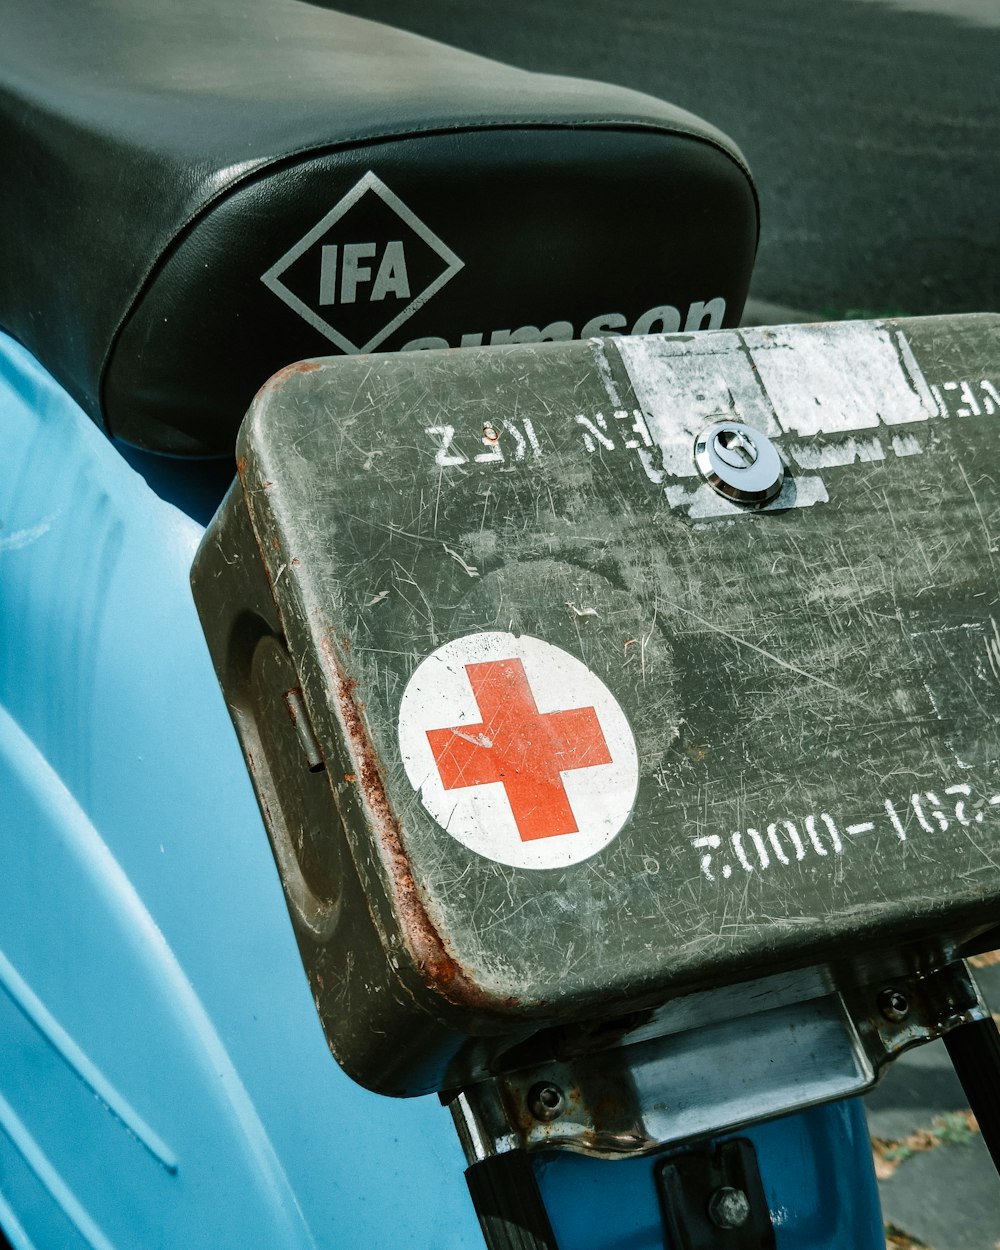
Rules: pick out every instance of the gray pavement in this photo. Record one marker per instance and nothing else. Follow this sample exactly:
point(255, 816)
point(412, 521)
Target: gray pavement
point(979, 12)
point(946, 1198)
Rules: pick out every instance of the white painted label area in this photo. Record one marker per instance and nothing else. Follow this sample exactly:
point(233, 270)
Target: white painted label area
point(827, 396)
point(840, 378)
point(684, 385)
point(518, 750)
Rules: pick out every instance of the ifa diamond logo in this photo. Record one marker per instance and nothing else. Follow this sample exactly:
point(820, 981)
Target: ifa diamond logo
point(364, 269)
point(518, 750)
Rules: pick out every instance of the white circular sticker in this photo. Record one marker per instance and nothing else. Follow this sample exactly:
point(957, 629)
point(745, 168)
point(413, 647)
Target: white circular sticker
point(518, 750)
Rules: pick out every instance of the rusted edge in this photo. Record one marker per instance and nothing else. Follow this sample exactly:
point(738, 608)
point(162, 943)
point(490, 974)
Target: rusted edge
point(284, 374)
point(439, 970)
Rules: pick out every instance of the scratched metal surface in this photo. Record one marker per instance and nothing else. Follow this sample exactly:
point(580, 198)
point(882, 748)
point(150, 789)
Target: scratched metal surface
point(812, 688)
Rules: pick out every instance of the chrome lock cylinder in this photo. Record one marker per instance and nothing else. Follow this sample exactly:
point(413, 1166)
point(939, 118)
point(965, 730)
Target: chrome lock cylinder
point(739, 463)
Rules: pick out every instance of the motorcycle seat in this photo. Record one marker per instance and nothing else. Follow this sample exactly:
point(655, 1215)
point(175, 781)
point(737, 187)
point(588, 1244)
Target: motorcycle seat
point(198, 194)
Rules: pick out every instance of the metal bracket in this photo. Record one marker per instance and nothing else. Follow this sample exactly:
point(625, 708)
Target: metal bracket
point(893, 1014)
point(714, 1062)
point(714, 1197)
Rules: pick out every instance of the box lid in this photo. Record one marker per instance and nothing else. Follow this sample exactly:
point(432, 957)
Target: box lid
point(597, 733)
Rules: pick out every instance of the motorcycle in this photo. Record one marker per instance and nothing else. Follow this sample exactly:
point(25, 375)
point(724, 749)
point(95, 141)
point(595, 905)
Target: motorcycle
point(167, 1080)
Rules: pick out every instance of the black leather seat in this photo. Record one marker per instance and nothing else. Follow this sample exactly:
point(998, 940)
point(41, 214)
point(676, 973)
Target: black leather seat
point(195, 193)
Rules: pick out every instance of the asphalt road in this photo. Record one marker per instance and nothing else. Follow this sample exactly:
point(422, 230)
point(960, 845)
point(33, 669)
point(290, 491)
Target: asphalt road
point(873, 130)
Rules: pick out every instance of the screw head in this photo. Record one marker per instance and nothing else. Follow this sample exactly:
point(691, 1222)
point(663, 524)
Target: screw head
point(546, 1102)
point(893, 1004)
point(728, 1207)
point(739, 463)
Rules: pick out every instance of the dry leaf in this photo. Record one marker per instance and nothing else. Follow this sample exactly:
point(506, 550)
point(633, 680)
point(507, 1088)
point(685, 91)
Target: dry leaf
point(896, 1239)
point(955, 1126)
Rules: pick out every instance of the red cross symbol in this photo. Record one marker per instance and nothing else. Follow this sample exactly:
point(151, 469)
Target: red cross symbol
point(526, 750)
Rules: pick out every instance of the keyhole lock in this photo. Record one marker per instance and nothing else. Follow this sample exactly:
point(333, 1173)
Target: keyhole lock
point(735, 448)
point(739, 463)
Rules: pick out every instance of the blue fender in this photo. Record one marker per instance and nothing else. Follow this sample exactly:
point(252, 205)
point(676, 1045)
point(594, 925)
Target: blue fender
point(164, 1082)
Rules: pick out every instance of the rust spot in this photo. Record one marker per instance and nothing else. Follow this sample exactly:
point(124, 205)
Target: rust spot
point(241, 466)
point(350, 777)
point(295, 562)
point(276, 543)
point(607, 1107)
point(439, 970)
point(289, 371)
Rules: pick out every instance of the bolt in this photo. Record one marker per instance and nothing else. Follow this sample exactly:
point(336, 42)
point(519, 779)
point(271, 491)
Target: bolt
point(894, 1005)
point(729, 1207)
point(735, 449)
point(546, 1102)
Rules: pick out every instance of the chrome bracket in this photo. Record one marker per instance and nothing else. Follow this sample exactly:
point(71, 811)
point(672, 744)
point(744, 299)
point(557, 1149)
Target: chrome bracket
point(712, 1062)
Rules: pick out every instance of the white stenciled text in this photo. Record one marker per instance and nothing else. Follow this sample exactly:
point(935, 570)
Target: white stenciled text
point(773, 845)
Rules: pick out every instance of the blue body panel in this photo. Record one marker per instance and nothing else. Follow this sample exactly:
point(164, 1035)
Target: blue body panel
point(817, 1172)
point(164, 1082)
